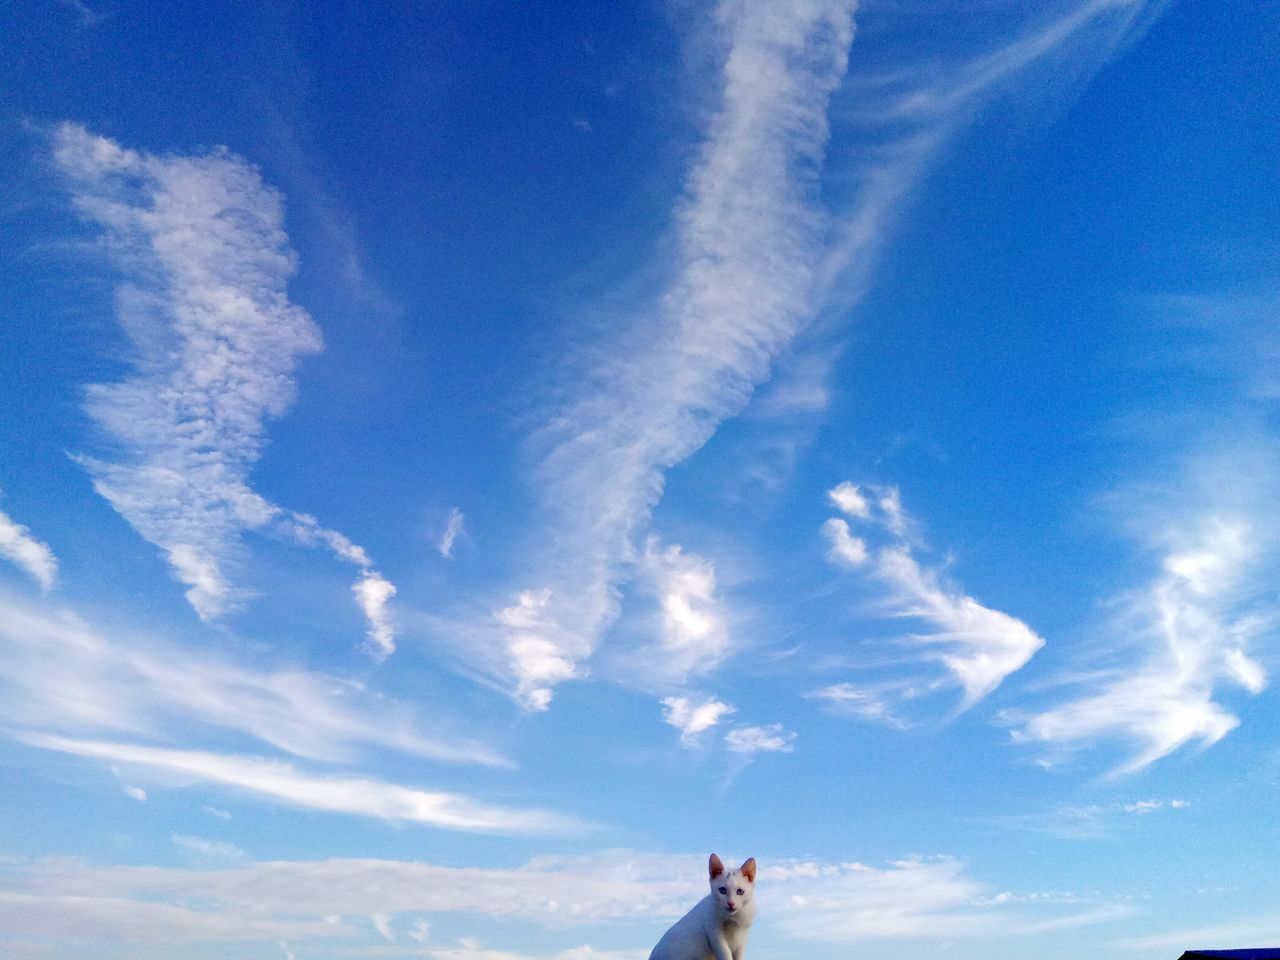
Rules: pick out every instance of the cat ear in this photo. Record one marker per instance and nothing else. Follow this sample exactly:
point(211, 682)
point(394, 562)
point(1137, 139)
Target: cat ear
point(715, 866)
point(749, 869)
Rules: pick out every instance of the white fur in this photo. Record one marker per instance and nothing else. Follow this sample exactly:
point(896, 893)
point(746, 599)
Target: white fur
point(718, 925)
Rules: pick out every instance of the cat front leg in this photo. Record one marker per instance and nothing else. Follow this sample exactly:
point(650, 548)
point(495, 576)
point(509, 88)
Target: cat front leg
point(720, 947)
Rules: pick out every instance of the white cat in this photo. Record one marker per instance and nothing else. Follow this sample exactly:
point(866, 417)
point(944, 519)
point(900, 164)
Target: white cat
point(717, 927)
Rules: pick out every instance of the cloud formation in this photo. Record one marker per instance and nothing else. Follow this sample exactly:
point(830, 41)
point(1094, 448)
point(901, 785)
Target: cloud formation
point(915, 899)
point(745, 237)
point(24, 551)
point(282, 783)
point(692, 720)
point(978, 646)
point(110, 682)
point(1196, 637)
point(693, 635)
point(767, 739)
point(453, 527)
point(205, 261)
point(757, 256)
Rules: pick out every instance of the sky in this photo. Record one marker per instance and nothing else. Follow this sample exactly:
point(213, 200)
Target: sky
point(462, 463)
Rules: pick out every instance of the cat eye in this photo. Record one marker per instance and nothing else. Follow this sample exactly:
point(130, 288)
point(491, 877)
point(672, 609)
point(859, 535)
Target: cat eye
point(739, 891)
point(724, 889)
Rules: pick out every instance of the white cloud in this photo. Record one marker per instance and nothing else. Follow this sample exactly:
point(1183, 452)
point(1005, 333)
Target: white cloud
point(136, 793)
point(890, 504)
point(205, 261)
point(755, 257)
point(24, 551)
point(1195, 637)
point(850, 500)
point(283, 783)
point(981, 646)
point(693, 720)
point(798, 388)
point(767, 739)
point(694, 637)
point(932, 899)
point(917, 899)
point(746, 236)
point(112, 918)
point(109, 681)
point(1150, 806)
point(372, 593)
point(874, 703)
point(554, 891)
point(845, 547)
point(207, 849)
point(451, 531)
point(744, 280)
point(536, 647)
point(978, 646)
point(1259, 928)
point(1094, 821)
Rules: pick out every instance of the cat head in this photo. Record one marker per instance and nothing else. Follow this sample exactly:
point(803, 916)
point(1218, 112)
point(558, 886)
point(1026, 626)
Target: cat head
point(732, 889)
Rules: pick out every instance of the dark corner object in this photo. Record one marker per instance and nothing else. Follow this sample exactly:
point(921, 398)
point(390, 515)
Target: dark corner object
point(1257, 953)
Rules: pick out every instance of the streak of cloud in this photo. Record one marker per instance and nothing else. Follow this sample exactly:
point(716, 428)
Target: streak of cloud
point(28, 554)
point(934, 899)
point(453, 527)
point(1196, 636)
point(746, 234)
point(205, 261)
point(767, 739)
point(978, 646)
point(693, 719)
point(282, 783)
point(693, 633)
point(107, 681)
point(757, 257)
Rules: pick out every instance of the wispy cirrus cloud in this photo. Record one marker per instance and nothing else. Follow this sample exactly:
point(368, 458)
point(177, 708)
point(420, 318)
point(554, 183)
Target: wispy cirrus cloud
point(204, 261)
point(1258, 928)
point(1092, 821)
point(745, 236)
point(1204, 620)
point(119, 919)
point(978, 646)
point(209, 850)
point(283, 783)
point(1196, 626)
point(693, 719)
point(874, 703)
point(110, 682)
point(452, 529)
point(772, 738)
point(758, 254)
point(32, 556)
point(921, 899)
point(916, 899)
point(692, 628)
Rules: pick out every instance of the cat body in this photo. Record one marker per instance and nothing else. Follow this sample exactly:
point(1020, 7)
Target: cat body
point(718, 925)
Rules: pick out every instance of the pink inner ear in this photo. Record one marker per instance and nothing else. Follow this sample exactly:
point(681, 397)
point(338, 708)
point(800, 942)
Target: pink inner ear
point(749, 869)
point(715, 866)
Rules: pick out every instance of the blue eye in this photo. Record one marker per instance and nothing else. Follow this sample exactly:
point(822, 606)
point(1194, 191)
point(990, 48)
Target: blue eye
point(739, 891)
point(724, 890)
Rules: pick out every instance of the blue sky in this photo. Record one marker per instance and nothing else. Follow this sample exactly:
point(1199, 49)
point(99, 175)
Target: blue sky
point(462, 463)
